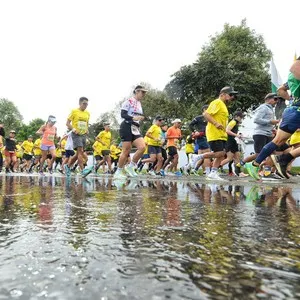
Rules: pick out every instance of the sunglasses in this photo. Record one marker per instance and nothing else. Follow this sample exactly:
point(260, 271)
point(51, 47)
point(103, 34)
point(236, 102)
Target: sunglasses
point(85, 103)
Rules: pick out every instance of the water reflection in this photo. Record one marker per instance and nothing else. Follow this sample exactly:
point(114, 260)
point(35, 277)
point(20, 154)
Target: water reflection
point(66, 238)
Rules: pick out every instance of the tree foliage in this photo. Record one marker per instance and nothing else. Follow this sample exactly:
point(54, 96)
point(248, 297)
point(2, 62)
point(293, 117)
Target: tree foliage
point(30, 129)
point(237, 56)
point(10, 116)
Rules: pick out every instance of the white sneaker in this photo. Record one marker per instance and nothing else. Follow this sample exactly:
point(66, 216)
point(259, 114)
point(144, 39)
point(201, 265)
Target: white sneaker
point(151, 173)
point(186, 169)
point(119, 175)
point(130, 171)
point(214, 176)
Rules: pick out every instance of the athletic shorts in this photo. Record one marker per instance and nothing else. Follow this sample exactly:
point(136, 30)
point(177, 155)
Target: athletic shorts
point(217, 146)
point(202, 143)
point(98, 157)
point(232, 146)
point(260, 141)
point(78, 140)
point(290, 119)
point(58, 160)
point(172, 151)
point(27, 156)
point(47, 148)
point(105, 152)
point(10, 154)
point(129, 132)
point(154, 149)
point(70, 153)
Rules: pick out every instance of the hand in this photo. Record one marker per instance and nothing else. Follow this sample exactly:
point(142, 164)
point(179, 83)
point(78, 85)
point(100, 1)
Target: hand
point(219, 126)
point(274, 122)
point(75, 131)
point(138, 118)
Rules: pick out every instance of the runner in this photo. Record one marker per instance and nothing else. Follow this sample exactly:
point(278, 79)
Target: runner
point(115, 152)
point(69, 150)
point(132, 114)
point(154, 146)
point(48, 132)
point(289, 124)
point(78, 122)
point(217, 117)
point(173, 137)
point(27, 146)
point(232, 149)
point(97, 147)
point(104, 138)
point(37, 153)
point(198, 127)
point(10, 152)
point(59, 158)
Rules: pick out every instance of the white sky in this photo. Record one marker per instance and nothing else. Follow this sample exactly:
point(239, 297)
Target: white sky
point(53, 52)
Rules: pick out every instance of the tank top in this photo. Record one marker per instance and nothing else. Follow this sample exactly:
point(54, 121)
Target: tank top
point(48, 136)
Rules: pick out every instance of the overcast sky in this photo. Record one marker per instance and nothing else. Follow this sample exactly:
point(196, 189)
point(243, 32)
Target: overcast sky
point(53, 52)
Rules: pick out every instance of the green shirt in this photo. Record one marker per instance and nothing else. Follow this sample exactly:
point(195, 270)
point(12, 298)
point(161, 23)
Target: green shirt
point(294, 86)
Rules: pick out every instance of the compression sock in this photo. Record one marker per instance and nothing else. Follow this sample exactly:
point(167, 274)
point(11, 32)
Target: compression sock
point(266, 151)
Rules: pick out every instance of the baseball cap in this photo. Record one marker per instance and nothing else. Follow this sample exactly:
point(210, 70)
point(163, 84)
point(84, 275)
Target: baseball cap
point(271, 95)
point(140, 88)
point(228, 90)
point(176, 121)
point(106, 124)
point(158, 118)
point(51, 119)
point(30, 136)
point(12, 131)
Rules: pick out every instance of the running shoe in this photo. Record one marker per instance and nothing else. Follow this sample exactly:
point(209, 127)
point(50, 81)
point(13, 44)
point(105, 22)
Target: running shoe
point(280, 165)
point(130, 171)
point(252, 170)
point(85, 172)
point(178, 173)
point(214, 176)
point(241, 175)
point(162, 173)
point(152, 173)
point(119, 175)
point(253, 194)
point(194, 172)
point(272, 177)
point(67, 170)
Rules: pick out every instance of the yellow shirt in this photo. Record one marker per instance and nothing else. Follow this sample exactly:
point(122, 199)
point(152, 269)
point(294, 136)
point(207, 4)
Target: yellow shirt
point(80, 120)
point(63, 145)
point(97, 146)
point(115, 151)
point(218, 110)
point(155, 132)
point(295, 138)
point(37, 147)
point(27, 146)
point(58, 152)
point(189, 147)
point(105, 137)
point(19, 152)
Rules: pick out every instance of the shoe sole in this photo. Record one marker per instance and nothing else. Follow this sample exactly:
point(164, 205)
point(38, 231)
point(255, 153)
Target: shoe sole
point(277, 166)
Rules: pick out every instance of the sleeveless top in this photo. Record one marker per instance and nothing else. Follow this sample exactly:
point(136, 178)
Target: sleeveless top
point(48, 136)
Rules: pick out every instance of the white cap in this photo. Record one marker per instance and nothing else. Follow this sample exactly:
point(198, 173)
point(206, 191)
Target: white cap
point(176, 121)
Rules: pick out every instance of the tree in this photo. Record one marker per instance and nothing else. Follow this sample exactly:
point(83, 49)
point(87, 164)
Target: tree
point(10, 116)
point(237, 56)
point(25, 130)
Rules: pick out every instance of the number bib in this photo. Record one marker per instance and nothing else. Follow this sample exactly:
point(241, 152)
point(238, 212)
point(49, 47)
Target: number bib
point(82, 126)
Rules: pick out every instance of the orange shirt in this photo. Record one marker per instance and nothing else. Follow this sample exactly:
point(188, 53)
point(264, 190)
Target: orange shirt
point(175, 132)
point(49, 135)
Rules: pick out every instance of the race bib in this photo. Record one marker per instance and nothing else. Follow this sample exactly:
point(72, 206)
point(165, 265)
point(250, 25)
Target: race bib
point(82, 126)
point(51, 137)
point(135, 130)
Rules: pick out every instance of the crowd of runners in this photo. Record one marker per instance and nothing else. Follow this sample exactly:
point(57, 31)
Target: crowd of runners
point(213, 141)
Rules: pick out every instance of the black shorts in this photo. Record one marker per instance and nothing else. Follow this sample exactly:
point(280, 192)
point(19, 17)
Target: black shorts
point(260, 141)
point(69, 153)
point(172, 151)
point(154, 149)
point(126, 132)
point(58, 160)
point(98, 157)
point(105, 152)
point(217, 146)
point(27, 156)
point(232, 146)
